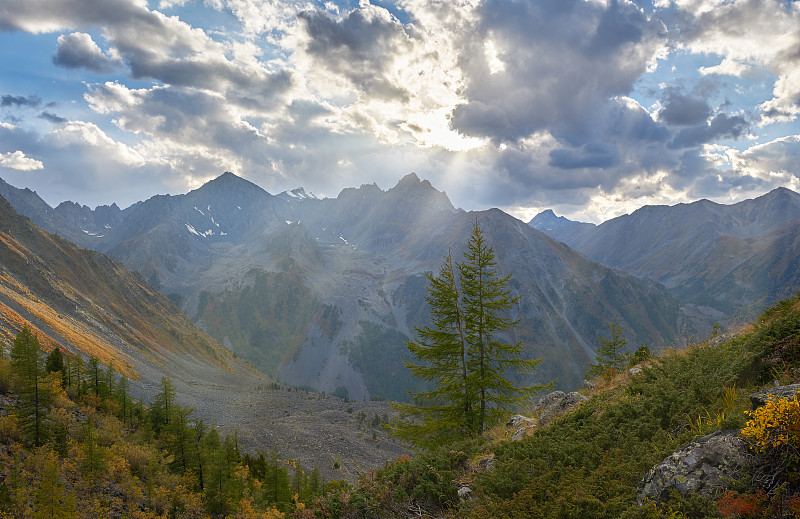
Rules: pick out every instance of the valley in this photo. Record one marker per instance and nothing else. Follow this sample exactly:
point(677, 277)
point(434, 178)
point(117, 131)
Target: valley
point(89, 305)
point(301, 307)
point(362, 256)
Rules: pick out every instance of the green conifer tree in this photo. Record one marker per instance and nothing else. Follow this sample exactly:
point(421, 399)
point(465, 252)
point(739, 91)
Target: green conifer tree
point(35, 397)
point(487, 302)
point(163, 405)
point(123, 387)
point(55, 361)
point(95, 376)
point(611, 355)
point(445, 411)
point(464, 354)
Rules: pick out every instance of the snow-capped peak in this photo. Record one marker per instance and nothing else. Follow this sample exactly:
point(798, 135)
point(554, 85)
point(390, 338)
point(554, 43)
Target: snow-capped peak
point(299, 194)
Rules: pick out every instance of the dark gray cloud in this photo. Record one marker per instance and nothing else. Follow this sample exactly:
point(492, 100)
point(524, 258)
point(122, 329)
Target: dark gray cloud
point(563, 61)
point(680, 108)
point(78, 50)
point(720, 126)
point(53, 118)
point(27, 101)
point(359, 47)
point(590, 155)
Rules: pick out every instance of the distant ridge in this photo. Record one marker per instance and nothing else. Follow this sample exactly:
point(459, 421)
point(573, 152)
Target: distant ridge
point(701, 250)
point(547, 221)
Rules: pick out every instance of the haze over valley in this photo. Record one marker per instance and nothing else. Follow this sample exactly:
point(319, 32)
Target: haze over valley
point(324, 293)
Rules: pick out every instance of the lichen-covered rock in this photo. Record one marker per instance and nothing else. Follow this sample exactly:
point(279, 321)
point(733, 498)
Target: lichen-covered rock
point(701, 467)
point(634, 371)
point(520, 433)
point(554, 404)
point(518, 421)
point(484, 464)
point(761, 398)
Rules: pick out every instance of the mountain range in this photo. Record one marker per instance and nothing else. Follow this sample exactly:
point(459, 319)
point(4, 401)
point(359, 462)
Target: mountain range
point(92, 304)
point(324, 293)
point(728, 261)
point(87, 304)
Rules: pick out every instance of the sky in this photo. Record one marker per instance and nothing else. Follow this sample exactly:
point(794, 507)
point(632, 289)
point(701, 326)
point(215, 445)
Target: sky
point(590, 107)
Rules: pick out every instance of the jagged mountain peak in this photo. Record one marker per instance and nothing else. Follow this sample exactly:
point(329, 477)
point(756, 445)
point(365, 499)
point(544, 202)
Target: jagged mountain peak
point(363, 189)
point(297, 194)
point(230, 184)
point(410, 187)
point(413, 182)
point(410, 179)
point(547, 220)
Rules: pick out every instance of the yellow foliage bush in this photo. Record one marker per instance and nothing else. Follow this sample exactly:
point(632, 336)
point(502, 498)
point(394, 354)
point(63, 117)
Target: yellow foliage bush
point(775, 424)
point(9, 430)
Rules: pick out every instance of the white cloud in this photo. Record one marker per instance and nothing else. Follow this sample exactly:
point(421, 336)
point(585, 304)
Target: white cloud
point(88, 136)
point(267, 16)
point(776, 162)
point(727, 67)
point(17, 160)
point(750, 34)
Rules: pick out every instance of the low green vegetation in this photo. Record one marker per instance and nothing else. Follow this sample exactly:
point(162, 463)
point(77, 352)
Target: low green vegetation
point(589, 462)
point(97, 453)
point(73, 444)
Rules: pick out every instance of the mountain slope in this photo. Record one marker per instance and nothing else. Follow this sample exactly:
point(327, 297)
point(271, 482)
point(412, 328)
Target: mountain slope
point(325, 293)
point(90, 303)
point(87, 304)
point(707, 253)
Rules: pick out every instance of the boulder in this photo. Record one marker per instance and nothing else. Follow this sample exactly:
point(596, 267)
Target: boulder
point(701, 467)
point(520, 434)
point(484, 464)
point(518, 421)
point(761, 398)
point(554, 404)
point(464, 492)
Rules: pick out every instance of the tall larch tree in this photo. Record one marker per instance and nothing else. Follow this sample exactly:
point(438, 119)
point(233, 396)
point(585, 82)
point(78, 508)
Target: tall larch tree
point(464, 354)
point(486, 305)
point(444, 412)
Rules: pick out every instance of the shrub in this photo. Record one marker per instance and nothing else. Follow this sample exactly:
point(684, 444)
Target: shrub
point(774, 425)
point(733, 505)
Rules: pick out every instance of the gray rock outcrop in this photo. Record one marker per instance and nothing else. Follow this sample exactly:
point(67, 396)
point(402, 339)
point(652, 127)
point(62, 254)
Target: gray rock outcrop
point(520, 433)
point(519, 421)
point(701, 467)
point(554, 404)
point(761, 398)
point(483, 464)
point(464, 492)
